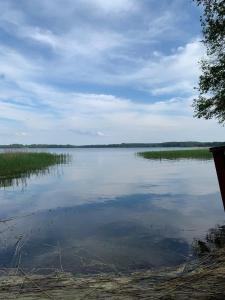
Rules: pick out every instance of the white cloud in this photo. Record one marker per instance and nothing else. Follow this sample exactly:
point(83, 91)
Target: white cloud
point(174, 73)
point(81, 118)
point(115, 6)
point(34, 112)
point(21, 134)
point(100, 52)
point(51, 53)
point(40, 35)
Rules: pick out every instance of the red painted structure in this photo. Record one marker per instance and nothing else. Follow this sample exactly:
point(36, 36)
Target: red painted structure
point(219, 160)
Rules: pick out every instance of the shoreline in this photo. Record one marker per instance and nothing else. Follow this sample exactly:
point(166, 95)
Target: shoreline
point(198, 279)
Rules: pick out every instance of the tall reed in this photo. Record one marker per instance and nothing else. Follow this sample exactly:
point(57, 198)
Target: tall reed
point(203, 154)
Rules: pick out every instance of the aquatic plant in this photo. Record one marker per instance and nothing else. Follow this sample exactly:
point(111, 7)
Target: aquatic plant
point(17, 165)
point(177, 154)
point(215, 239)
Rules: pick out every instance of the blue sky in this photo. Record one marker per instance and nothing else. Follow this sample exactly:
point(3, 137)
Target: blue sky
point(99, 71)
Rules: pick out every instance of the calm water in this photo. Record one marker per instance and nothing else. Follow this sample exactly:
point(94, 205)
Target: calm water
point(109, 210)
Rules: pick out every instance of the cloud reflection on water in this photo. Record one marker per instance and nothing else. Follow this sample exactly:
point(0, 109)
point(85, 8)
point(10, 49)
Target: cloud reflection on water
point(110, 211)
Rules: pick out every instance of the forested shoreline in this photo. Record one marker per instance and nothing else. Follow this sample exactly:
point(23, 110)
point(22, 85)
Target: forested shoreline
point(121, 145)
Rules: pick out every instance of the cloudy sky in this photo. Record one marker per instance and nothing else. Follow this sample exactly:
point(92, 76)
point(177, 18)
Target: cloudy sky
point(100, 71)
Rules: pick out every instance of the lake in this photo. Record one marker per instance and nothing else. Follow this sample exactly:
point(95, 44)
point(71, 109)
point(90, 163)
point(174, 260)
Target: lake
point(108, 211)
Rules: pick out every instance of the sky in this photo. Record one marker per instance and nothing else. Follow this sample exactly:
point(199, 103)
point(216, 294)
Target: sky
point(100, 71)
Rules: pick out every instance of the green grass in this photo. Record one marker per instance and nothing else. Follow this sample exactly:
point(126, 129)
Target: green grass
point(22, 164)
point(202, 154)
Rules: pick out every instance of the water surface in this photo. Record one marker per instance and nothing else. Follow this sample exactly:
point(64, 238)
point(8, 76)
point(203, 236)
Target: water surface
point(108, 211)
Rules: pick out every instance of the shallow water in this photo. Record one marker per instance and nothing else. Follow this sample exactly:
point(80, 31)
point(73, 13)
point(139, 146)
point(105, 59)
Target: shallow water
point(109, 210)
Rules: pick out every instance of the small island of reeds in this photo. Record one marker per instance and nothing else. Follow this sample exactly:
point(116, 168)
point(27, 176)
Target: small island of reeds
point(202, 154)
point(21, 164)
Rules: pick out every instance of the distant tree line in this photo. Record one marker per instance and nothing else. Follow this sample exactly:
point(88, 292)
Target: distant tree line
point(122, 145)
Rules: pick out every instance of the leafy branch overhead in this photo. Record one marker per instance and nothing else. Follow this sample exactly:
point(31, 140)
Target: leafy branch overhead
point(211, 99)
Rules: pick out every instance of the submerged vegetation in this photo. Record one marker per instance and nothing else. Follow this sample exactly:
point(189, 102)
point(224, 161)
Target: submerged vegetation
point(199, 278)
point(177, 154)
point(18, 165)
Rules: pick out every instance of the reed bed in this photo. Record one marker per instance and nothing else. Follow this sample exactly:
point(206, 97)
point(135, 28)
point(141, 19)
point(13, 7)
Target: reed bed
point(202, 154)
point(20, 164)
